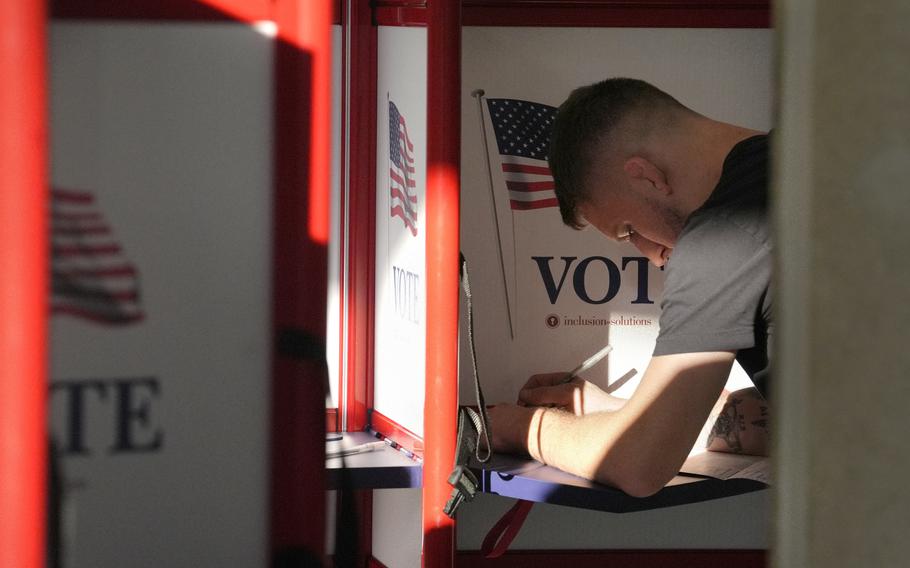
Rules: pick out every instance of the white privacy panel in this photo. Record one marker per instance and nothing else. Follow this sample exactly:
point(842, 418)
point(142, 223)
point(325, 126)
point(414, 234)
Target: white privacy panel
point(162, 173)
point(567, 293)
point(400, 307)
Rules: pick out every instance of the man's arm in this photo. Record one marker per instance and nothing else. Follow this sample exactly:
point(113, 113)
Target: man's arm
point(637, 448)
point(742, 426)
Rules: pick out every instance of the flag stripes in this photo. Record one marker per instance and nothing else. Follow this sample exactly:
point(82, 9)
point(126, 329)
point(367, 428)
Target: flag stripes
point(524, 168)
point(85, 250)
point(61, 216)
point(402, 185)
point(96, 272)
point(73, 231)
point(529, 187)
point(69, 196)
point(522, 131)
point(91, 278)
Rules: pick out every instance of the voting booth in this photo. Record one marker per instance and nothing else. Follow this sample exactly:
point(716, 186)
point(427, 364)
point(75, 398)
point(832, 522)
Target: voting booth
point(176, 224)
point(546, 296)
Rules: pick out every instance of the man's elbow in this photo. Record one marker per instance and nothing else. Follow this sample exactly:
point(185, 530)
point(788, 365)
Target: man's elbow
point(643, 486)
point(636, 481)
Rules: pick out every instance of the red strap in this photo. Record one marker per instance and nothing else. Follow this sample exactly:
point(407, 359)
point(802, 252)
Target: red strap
point(503, 532)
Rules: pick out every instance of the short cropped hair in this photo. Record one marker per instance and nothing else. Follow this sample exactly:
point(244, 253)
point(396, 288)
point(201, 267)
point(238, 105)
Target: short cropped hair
point(584, 122)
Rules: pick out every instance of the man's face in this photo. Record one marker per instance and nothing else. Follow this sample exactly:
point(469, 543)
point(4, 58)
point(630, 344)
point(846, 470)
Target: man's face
point(649, 224)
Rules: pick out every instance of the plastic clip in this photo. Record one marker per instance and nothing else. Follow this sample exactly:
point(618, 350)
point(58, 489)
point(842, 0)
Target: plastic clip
point(464, 488)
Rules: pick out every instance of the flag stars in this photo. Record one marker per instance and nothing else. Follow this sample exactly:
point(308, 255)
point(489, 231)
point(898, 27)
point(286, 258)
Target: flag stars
point(522, 128)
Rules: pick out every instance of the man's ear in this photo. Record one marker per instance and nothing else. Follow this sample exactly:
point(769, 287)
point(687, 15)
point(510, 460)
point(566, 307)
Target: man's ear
point(641, 169)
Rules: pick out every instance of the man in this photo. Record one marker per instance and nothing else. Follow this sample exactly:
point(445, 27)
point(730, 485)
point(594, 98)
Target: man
point(690, 193)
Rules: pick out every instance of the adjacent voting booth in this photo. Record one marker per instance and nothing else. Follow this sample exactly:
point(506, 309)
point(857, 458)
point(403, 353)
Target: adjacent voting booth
point(545, 296)
point(170, 225)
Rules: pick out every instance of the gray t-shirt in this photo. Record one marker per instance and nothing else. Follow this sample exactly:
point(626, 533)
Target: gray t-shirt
point(717, 294)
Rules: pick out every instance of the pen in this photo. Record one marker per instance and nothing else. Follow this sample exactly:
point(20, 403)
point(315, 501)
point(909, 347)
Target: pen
point(587, 363)
point(361, 449)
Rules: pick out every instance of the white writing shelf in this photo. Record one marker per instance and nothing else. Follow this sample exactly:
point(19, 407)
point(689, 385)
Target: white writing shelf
point(524, 478)
point(521, 478)
point(382, 468)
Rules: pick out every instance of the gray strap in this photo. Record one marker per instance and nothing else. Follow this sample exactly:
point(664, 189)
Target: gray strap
point(480, 419)
point(473, 425)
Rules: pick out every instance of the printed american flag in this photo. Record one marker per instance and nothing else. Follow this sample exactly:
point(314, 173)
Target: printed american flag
point(523, 137)
point(402, 185)
point(91, 277)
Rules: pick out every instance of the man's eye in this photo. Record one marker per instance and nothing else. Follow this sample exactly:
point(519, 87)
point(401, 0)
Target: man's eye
point(625, 235)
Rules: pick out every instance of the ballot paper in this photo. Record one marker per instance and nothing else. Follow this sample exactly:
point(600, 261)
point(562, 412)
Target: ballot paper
point(728, 466)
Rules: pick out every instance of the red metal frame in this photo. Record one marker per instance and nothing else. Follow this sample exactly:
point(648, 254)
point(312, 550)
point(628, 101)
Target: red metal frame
point(359, 274)
point(589, 13)
point(302, 177)
point(401, 16)
point(442, 238)
point(619, 13)
point(23, 284)
point(398, 433)
point(359, 71)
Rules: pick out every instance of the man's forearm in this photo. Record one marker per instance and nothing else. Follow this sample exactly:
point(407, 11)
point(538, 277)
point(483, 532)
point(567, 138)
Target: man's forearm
point(576, 444)
point(637, 448)
point(601, 447)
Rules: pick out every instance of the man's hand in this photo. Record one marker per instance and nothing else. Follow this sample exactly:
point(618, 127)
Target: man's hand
point(578, 396)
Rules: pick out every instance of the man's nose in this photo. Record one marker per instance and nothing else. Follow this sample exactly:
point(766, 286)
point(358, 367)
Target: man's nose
point(651, 250)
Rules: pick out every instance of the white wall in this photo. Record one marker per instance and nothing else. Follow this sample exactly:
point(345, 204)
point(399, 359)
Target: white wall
point(169, 126)
point(397, 527)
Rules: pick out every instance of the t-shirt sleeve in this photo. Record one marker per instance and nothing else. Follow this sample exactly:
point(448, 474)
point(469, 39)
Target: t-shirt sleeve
point(716, 280)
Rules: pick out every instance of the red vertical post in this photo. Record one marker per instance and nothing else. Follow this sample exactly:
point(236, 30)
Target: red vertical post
point(23, 283)
point(360, 36)
point(301, 226)
point(442, 223)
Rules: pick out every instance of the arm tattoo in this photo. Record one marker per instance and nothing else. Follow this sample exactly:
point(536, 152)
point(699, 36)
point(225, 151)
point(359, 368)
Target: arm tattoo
point(731, 423)
point(763, 421)
point(728, 426)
